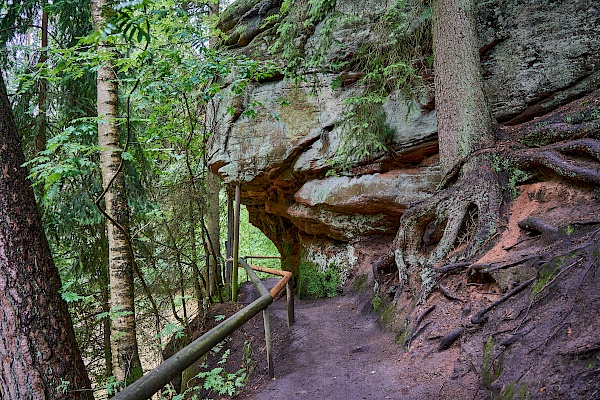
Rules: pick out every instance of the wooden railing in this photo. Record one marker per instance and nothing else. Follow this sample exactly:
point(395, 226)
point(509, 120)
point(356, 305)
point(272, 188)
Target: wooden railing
point(157, 378)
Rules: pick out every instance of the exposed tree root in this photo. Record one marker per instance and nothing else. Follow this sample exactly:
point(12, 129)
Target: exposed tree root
point(538, 225)
point(478, 318)
point(456, 222)
point(447, 294)
point(553, 157)
point(449, 339)
point(472, 205)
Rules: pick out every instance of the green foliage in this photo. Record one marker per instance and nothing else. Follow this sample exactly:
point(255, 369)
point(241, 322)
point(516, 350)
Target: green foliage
point(69, 295)
point(314, 283)
point(64, 386)
point(172, 329)
point(515, 176)
point(65, 159)
point(114, 313)
point(296, 20)
point(392, 62)
point(221, 382)
point(167, 76)
point(254, 243)
point(377, 302)
point(492, 366)
point(216, 381)
point(366, 132)
point(111, 385)
point(128, 19)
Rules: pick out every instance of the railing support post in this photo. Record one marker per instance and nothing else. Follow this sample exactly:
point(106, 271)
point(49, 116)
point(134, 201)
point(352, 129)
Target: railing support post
point(236, 243)
point(229, 243)
point(289, 290)
point(268, 343)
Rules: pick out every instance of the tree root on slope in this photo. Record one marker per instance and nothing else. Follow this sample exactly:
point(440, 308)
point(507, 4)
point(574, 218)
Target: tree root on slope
point(457, 222)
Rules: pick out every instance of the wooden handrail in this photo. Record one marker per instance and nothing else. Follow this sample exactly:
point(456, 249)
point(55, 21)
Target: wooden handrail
point(158, 377)
point(286, 276)
point(264, 257)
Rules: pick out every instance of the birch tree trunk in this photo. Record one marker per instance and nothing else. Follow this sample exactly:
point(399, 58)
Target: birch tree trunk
point(125, 357)
point(38, 351)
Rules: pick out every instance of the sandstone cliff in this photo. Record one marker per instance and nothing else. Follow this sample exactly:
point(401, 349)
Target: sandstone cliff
point(536, 56)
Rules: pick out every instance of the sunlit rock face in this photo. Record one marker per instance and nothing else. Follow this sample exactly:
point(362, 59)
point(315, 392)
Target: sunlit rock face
point(278, 139)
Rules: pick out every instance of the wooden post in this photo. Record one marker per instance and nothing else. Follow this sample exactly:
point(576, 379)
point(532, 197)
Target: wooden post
point(229, 244)
point(268, 343)
point(236, 243)
point(289, 290)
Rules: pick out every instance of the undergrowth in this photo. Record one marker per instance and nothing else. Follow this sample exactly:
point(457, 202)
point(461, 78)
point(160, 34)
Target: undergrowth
point(313, 283)
point(216, 381)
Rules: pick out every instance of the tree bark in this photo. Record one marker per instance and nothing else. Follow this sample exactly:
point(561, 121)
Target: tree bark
point(126, 361)
point(431, 231)
point(38, 350)
point(213, 223)
point(464, 118)
point(214, 230)
point(40, 139)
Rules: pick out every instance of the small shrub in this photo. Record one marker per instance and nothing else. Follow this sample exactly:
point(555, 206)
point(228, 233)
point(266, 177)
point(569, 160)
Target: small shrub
point(314, 283)
point(376, 302)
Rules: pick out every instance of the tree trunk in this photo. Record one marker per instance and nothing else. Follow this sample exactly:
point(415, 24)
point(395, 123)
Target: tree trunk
point(213, 223)
point(38, 351)
point(214, 230)
point(126, 362)
point(431, 231)
point(464, 118)
point(106, 323)
point(40, 139)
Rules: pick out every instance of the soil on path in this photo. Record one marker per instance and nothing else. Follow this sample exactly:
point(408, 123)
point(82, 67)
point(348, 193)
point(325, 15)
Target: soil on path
point(337, 350)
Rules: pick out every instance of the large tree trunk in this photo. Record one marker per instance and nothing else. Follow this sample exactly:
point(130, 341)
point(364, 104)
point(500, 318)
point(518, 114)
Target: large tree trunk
point(126, 361)
point(464, 119)
point(429, 232)
point(38, 350)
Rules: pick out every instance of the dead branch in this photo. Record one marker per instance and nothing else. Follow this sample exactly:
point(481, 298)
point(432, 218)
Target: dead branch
point(478, 318)
point(449, 339)
point(444, 290)
point(534, 224)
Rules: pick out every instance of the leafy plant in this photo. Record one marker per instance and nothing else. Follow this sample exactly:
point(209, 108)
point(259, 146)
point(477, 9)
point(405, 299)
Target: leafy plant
point(314, 283)
point(393, 62)
point(171, 329)
point(221, 382)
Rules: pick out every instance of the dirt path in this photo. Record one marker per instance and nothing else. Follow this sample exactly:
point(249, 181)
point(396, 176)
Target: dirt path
point(336, 351)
